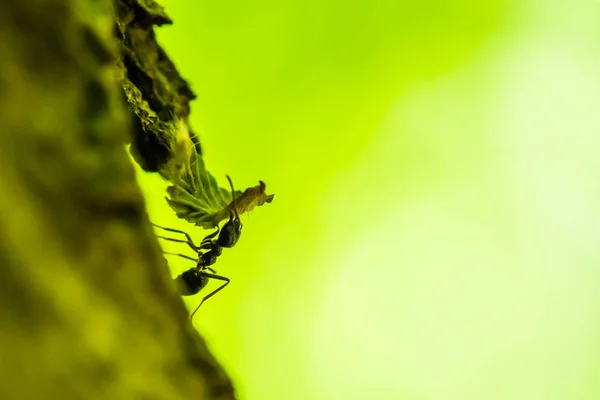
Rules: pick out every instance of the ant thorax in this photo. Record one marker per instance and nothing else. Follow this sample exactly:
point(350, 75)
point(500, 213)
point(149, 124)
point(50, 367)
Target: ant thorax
point(210, 257)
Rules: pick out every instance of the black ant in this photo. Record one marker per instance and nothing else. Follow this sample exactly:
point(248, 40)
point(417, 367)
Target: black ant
point(196, 278)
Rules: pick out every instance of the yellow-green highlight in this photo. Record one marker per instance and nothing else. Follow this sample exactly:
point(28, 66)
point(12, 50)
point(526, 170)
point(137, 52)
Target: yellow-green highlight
point(434, 232)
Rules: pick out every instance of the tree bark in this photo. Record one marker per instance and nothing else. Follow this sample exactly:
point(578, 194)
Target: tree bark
point(88, 309)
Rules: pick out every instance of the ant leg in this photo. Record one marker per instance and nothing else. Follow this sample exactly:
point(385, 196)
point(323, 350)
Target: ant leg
point(192, 245)
point(213, 276)
point(181, 255)
point(189, 240)
point(208, 245)
point(208, 238)
point(173, 230)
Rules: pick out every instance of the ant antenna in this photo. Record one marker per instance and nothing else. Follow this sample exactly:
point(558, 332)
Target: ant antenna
point(233, 197)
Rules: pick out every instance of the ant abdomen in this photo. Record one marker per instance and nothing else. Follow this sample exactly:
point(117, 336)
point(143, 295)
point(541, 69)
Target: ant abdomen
point(191, 282)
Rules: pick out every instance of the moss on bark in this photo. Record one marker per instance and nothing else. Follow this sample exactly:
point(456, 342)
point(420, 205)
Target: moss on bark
point(157, 95)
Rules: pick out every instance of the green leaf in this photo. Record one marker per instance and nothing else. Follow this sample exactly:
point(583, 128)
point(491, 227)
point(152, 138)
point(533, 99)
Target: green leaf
point(197, 198)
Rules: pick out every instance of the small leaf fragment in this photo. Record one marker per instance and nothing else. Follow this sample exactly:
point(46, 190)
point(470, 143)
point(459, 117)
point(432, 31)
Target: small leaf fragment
point(254, 196)
point(197, 198)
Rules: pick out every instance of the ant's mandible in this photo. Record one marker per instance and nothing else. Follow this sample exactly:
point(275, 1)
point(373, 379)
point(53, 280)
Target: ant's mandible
point(196, 278)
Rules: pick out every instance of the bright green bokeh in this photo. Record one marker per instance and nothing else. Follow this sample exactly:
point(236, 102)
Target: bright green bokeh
point(434, 233)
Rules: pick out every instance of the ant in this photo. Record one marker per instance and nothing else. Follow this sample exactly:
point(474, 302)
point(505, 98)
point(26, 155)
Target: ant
point(196, 278)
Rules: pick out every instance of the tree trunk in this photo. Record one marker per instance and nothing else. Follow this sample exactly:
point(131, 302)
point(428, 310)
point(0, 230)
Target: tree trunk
point(87, 306)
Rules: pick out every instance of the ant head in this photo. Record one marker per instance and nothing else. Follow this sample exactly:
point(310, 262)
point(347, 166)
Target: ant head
point(231, 231)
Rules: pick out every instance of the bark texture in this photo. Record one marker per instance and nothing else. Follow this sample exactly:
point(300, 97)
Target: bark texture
point(87, 306)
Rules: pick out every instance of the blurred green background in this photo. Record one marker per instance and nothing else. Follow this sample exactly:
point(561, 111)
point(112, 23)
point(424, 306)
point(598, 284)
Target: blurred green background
point(434, 233)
